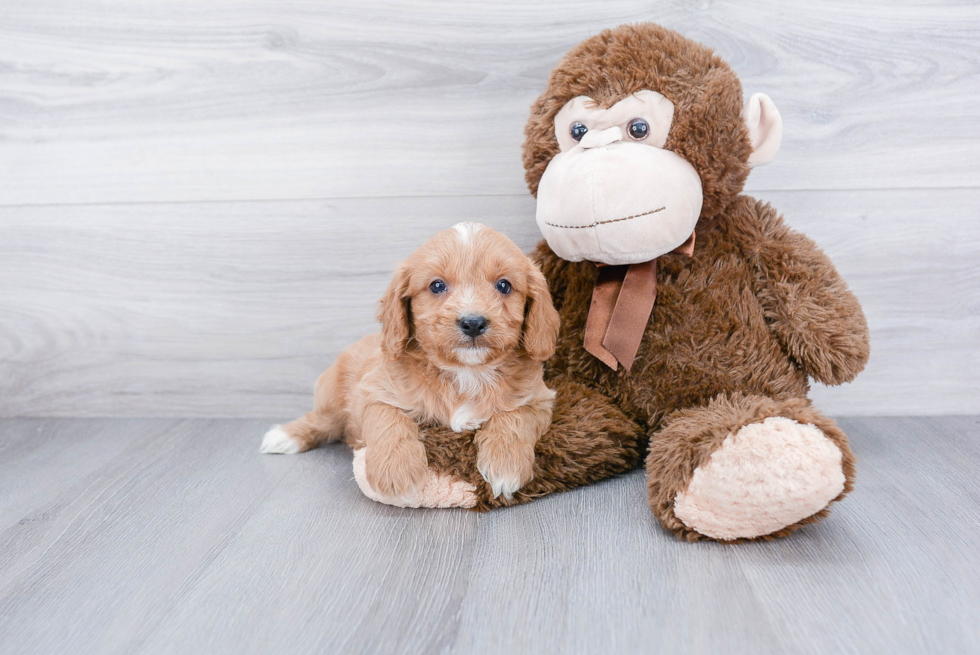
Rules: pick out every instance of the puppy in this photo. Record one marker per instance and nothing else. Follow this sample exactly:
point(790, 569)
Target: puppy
point(466, 323)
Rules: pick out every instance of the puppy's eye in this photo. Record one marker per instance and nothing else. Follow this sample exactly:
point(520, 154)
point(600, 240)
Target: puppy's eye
point(577, 130)
point(638, 129)
point(437, 287)
point(503, 286)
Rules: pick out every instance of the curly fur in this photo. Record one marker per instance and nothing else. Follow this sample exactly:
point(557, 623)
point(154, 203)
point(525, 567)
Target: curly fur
point(425, 368)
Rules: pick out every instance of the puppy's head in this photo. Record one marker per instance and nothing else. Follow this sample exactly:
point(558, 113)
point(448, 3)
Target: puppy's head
point(467, 297)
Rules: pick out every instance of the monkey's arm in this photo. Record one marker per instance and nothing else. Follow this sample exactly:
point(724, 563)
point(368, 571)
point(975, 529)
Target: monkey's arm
point(807, 303)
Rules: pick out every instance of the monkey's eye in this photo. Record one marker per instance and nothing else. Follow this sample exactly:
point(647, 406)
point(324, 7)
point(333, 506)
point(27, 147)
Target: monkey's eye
point(437, 287)
point(577, 130)
point(638, 129)
point(503, 286)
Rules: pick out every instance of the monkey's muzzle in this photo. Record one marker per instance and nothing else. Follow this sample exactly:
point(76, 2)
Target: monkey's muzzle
point(617, 202)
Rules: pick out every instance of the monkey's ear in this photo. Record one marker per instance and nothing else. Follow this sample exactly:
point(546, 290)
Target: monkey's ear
point(394, 315)
point(541, 320)
point(765, 127)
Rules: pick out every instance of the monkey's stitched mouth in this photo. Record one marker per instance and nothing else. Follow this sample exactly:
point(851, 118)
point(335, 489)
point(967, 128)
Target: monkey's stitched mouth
point(611, 220)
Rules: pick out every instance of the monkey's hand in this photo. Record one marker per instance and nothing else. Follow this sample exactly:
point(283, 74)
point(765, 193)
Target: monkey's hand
point(808, 305)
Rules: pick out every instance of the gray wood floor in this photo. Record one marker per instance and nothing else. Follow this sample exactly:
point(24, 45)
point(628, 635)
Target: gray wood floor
point(176, 536)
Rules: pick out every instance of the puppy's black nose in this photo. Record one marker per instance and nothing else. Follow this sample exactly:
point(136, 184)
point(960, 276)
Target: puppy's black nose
point(473, 326)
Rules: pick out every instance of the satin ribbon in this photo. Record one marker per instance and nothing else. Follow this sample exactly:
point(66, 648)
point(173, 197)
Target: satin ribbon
point(622, 302)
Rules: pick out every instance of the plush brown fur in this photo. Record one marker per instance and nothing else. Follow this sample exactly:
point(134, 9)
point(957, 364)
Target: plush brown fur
point(737, 330)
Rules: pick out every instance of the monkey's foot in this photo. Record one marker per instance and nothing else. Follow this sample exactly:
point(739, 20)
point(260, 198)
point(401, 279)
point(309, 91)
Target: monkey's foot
point(438, 490)
point(763, 478)
point(746, 467)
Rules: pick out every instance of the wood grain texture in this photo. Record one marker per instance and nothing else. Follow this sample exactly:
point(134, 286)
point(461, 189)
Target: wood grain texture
point(114, 101)
point(131, 534)
point(234, 309)
point(200, 309)
point(188, 540)
point(201, 202)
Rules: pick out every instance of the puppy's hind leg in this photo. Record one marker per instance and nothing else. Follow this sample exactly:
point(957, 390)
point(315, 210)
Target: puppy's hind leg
point(305, 433)
point(324, 424)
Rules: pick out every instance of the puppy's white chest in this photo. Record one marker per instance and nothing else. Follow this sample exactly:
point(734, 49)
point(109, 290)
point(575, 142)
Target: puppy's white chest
point(472, 383)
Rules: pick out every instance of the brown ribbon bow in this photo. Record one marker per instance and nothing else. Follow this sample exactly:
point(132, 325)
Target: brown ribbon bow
point(622, 302)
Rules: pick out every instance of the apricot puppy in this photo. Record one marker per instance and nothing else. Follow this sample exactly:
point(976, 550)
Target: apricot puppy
point(466, 323)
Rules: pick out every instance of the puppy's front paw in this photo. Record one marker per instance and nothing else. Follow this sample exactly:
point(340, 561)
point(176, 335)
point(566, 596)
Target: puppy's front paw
point(439, 489)
point(396, 468)
point(507, 467)
point(277, 440)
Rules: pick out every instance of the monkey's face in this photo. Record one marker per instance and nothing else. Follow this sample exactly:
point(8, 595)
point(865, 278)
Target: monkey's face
point(613, 194)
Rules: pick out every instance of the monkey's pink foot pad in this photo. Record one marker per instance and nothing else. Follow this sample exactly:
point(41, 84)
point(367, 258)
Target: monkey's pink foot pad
point(765, 477)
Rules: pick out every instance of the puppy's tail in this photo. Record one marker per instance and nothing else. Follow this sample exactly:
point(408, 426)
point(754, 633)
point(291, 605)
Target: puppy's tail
point(313, 429)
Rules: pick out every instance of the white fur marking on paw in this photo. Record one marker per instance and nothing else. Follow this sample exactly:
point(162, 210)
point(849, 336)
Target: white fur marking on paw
point(500, 485)
point(277, 441)
point(765, 477)
point(467, 230)
point(464, 419)
point(438, 490)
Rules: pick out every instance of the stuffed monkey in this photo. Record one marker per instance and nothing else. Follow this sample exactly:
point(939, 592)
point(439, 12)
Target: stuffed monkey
point(692, 317)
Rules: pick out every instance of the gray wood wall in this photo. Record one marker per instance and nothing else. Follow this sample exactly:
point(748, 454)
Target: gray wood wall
point(200, 202)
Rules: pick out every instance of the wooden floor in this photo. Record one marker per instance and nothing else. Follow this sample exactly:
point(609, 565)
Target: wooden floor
point(176, 536)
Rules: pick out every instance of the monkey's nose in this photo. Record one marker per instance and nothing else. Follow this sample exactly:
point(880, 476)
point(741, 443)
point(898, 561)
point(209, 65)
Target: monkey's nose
point(473, 326)
point(602, 138)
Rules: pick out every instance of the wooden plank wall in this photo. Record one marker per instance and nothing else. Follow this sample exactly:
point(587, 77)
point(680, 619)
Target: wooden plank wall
point(200, 202)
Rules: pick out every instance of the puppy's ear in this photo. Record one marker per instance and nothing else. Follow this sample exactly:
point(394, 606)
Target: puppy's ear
point(394, 313)
point(540, 318)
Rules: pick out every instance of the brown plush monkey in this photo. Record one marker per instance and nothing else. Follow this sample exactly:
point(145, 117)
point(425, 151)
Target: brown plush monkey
point(699, 361)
